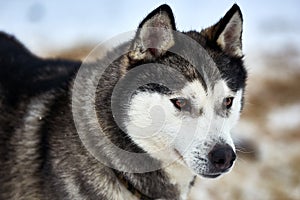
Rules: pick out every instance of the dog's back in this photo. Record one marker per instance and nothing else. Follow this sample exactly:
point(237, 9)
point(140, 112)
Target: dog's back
point(24, 73)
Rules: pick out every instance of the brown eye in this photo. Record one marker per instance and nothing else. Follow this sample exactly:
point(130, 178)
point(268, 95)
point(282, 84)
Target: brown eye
point(179, 103)
point(227, 102)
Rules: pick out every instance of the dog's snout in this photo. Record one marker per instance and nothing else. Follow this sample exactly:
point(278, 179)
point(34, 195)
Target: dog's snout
point(222, 157)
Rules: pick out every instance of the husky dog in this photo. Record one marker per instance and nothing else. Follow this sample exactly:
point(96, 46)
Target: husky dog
point(43, 156)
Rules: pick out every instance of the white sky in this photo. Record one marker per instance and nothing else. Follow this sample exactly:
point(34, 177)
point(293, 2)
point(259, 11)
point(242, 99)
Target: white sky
point(61, 23)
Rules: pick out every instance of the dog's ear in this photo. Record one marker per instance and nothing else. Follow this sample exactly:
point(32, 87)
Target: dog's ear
point(227, 33)
point(154, 35)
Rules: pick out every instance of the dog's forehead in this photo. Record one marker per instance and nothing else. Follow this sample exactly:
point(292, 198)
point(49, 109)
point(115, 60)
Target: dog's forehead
point(195, 90)
point(194, 72)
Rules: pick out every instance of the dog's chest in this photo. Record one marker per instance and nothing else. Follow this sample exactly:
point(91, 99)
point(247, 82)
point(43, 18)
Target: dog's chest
point(182, 177)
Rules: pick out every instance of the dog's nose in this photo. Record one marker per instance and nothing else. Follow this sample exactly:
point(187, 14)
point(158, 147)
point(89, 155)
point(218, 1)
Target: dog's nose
point(222, 157)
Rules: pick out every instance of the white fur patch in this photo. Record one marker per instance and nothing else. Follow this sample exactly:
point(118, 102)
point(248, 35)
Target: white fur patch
point(163, 131)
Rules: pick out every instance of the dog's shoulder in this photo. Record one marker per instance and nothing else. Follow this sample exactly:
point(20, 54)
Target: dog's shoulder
point(10, 47)
point(23, 73)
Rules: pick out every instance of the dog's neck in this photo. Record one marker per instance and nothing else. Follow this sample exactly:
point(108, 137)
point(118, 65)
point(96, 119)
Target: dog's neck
point(179, 178)
point(127, 184)
point(149, 185)
point(182, 177)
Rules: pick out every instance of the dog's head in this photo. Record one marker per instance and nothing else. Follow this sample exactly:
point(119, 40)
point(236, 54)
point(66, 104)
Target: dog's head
point(191, 118)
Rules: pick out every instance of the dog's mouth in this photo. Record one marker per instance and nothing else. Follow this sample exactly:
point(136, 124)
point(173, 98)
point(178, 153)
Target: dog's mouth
point(180, 157)
point(214, 175)
point(210, 175)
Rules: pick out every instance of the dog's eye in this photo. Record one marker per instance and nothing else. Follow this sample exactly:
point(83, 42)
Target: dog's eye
point(179, 103)
point(227, 102)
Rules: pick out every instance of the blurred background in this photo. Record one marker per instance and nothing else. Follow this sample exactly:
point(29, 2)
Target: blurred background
point(268, 134)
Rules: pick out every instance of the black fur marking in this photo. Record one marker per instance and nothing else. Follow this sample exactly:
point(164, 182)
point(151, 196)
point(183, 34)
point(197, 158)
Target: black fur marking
point(231, 68)
point(154, 87)
point(192, 183)
point(232, 71)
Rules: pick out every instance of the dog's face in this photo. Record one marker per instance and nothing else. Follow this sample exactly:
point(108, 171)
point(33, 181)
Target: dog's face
point(193, 120)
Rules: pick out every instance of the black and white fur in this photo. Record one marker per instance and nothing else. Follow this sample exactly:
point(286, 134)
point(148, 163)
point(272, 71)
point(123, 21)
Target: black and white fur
point(42, 157)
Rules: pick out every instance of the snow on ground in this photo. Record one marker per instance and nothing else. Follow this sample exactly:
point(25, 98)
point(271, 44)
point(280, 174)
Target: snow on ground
point(287, 117)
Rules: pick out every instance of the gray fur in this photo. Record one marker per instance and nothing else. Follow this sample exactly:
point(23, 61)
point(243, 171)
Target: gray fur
point(41, 153)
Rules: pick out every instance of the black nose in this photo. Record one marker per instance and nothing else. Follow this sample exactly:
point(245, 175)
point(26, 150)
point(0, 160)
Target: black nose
point(222, 157)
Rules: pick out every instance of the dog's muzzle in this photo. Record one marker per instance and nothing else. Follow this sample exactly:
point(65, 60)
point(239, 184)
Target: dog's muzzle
point(221, 158)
